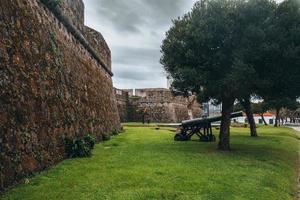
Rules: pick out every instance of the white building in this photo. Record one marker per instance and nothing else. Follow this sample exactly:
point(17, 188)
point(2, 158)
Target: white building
point(212, 110)
point(269, 118)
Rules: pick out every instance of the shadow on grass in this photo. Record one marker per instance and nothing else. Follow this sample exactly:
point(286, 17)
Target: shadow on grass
point(260, 148)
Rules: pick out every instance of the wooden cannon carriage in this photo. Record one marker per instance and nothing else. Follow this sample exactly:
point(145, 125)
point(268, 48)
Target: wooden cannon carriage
point(201, 127)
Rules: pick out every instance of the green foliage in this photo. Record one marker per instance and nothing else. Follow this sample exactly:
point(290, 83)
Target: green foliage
point(90, 140)
point(53, 42)
point(115, 132)
point(106, 137)
point(226, 50)
point(280, 60)
point(208, 50)
point(52, 3)
point(283, 102)
point(238, 107)
point(145, 163)
point(80, 147)
point(260, 107)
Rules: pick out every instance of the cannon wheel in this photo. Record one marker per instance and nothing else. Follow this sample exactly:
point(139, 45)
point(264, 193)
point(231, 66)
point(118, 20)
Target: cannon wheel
point(181, 137)
point(208, 138)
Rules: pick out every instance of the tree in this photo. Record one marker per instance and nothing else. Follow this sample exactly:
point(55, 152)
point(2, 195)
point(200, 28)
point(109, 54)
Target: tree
point(248, 110)
point(295, 116)
point(280, 58)
point(246, 106)
point(205, 52)
point(260, 108)
point(279, 104)
point(253, 18)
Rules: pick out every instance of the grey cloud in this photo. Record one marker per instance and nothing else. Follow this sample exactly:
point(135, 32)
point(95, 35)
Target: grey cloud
point(137, 77)
point(136, 56)
point(120, 14)
point(134, 74)
point(134, 30)
point(128, 15)
point(165, 10)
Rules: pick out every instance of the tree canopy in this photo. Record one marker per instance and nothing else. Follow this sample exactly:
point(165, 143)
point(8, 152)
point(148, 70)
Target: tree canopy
point(280, 55)
point(231, 49)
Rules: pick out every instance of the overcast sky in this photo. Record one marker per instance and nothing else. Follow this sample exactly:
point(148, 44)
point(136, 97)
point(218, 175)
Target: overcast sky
point(134, 30)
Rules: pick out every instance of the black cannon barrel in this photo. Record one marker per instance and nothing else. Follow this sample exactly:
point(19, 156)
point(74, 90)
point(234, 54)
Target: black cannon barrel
point(209, 119)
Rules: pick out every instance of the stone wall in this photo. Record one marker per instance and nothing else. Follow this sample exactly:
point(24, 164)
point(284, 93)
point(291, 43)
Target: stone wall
point(52, 87)
point(156, 105)
point(74, 9)
point(97, 41)
point(122, 103)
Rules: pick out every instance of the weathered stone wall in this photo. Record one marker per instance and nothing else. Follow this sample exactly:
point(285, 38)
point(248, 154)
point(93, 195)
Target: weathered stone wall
point(74, 9)
point(122, 103)
point(51, 87)
point(157, 105)
point(97, 41)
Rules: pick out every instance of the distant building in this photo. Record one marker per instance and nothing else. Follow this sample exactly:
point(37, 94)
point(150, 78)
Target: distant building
point(169, 82)
point(269, 118)
point(155, 105)
point(212, 110)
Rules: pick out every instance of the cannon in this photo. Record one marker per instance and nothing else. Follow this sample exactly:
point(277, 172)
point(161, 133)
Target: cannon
point(202, 127)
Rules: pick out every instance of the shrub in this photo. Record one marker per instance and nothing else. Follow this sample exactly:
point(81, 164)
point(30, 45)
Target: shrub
point(106, 137)
point(80, 147)
point(115, 132)
point(69, 146)
point(90, 140)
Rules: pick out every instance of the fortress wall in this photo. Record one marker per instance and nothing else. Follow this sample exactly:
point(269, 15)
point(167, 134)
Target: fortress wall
point(98, 43)
point(52, 87)
point(157, 104)
point(74, 9)
point(122, 103)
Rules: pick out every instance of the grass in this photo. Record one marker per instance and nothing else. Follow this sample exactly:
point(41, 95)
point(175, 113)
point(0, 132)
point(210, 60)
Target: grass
point(140, 124)
point(144, 163)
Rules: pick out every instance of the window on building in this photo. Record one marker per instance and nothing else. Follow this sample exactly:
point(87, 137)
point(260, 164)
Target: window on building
point(260, 121)
point(271, 121)
point(119, 92)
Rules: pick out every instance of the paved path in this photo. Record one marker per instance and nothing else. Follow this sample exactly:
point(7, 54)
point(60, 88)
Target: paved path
point(297, 128)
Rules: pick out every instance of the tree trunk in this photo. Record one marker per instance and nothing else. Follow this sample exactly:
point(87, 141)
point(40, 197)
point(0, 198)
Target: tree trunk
point(143, 119)
point(277, 117)
point(263, 118)
point(247, 106)
point(227, 109)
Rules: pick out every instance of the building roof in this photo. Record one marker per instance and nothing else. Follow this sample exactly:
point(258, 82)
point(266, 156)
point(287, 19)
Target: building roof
point(266, 114)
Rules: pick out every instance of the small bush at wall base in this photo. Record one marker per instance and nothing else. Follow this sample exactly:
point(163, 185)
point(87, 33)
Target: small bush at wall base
point(79, 147)
point(106, 137)
point(115, 132)
point(90, 140)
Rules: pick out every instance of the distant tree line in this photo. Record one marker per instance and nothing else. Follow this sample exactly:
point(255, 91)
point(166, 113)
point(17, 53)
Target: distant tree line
point(232, 50)
point(287, 112)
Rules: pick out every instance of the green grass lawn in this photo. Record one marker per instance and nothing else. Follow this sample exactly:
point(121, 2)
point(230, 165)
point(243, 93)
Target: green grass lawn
point(144, 163)
point(138, 124)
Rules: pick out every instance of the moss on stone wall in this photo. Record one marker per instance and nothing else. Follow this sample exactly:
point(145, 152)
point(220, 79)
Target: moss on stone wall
point(51, 88)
